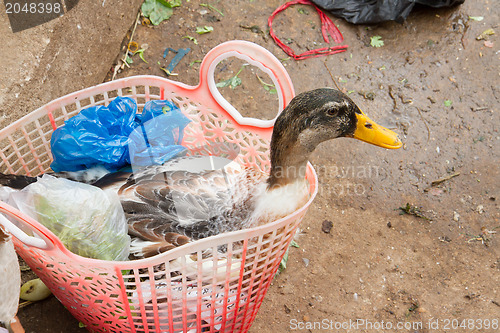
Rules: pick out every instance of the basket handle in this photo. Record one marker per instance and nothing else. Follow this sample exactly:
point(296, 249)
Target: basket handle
point(255, 55)
point(41, 242)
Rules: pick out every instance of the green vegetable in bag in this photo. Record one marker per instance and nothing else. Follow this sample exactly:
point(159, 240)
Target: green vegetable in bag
point(87, 220)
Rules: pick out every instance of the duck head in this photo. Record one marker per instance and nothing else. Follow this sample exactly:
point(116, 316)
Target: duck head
point(314, 117)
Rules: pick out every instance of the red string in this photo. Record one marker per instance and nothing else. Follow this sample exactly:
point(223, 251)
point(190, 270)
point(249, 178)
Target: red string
point(327, 27)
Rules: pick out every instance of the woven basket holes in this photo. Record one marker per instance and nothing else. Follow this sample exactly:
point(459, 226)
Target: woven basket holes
point(37, 149)
point(133, 92)
point(127, 92)
point(159, 272)
point(44, 127)
point(99, 99)
point(255, 151)
point(193, 132)
point(154, 92)
point(59, 115)
point(218, 147)
point(255, 258)
point(185, 104)
point(84, 103)
point(202, 127)
point(141, 101)
point(264, 261)
point(10, 161)
point(212, 127)
point(111, 95)
point(235, 253)
point(262, 147)
point(19, 156)
point(5, 151)
point(140, 90)
point(190, 108)
point(65, 113)
point(197, 131)
point(39, 141)
point(214, 146)
point(38, 260)
point(144, 94)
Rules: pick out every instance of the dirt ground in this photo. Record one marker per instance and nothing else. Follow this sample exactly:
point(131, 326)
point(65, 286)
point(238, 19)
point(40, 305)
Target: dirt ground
point(432, 82)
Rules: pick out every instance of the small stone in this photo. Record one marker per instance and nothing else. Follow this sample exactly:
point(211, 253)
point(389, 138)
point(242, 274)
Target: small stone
point(456, 216)
point(306, 261)
point(435, 191)
point(389, 224)
point(480, 209)
point(287, 309)
point(326, 226)
point(305, 318)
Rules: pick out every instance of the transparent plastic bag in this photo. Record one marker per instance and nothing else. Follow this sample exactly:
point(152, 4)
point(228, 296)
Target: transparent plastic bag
point(216, 304)
point(157, 138)
point(87, 220)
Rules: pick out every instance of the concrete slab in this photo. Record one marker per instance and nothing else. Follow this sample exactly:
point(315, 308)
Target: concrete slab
point(66, 54)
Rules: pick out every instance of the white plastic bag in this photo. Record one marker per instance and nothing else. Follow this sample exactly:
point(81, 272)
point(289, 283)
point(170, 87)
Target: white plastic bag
point(211, 302)
point(87, 220)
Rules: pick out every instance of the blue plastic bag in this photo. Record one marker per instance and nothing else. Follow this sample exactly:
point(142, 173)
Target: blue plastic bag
point(114, 136)
point(157, 138)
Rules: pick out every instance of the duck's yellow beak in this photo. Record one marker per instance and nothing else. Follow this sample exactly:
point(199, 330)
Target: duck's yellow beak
point(368, 131)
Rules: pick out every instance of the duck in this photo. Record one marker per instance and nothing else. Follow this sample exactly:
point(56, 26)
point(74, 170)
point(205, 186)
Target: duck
point(10, 284)
point(168, 205)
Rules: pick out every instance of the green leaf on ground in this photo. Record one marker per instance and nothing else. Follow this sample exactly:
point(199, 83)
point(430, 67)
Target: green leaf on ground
point(283, 262)
point(476, 18)
point(159, 10)
point(376, 41)
point(270, 88)
point(232, 82)
point(448, 103)
point(194, 62)
point(485, 34)
point(413, 210)
point(204, 30)
point(212, 8)
point(191, 39)
point(141, 54)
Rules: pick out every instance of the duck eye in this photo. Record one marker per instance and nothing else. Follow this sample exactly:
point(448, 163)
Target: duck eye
point(332, 112)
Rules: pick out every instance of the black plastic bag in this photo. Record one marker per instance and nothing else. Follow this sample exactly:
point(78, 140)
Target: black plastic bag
point(376, 11)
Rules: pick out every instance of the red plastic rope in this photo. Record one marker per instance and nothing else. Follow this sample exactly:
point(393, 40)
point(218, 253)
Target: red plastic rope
point(327, 27)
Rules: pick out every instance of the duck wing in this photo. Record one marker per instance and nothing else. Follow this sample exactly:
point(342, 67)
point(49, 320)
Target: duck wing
point(168, 208)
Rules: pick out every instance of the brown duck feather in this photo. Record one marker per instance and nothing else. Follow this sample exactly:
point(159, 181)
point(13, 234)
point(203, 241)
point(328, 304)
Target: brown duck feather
point(170, 208)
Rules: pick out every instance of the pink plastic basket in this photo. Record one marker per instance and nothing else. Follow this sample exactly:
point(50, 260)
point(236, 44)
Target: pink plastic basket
point(180, 290)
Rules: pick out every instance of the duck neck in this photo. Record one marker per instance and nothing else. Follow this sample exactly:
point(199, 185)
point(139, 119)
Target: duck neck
point(289, 156)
